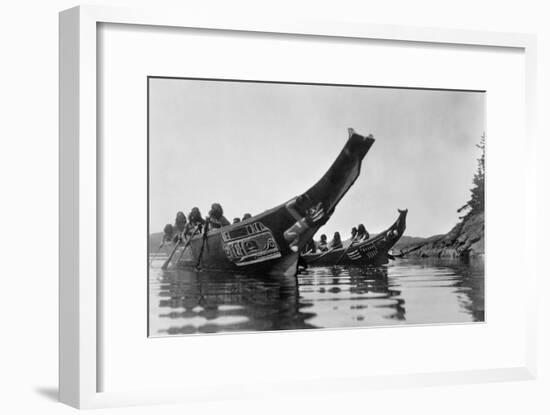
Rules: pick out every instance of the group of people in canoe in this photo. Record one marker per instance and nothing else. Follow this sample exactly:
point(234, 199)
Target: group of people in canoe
point(184, 227)
point(253, 246)
point(187, 226)
point(358, 234)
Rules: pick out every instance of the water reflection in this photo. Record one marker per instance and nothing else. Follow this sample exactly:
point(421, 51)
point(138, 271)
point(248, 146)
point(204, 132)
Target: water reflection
point(202, 302)
point(404, 292)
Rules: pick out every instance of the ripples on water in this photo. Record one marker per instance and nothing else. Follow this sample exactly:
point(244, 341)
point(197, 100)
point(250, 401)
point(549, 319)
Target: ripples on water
point(407, 291)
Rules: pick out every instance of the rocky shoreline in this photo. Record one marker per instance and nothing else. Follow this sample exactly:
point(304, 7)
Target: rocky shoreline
point(465, 240)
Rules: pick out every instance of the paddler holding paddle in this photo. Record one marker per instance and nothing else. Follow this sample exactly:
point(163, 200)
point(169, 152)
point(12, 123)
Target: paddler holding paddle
point(195, 221)
point(217, 220)
point(362, 234)
point(323, 243)
point(180, 222)
point(168, 235)
point(336, 242)
point(184, 232)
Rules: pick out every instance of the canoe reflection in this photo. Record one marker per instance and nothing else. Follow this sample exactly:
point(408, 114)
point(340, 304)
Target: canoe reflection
point(344, 297)
point(203, 302)
point(407, 291)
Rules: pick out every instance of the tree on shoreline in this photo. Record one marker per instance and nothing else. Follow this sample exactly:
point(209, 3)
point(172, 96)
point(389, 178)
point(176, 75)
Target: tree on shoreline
point(476, 204)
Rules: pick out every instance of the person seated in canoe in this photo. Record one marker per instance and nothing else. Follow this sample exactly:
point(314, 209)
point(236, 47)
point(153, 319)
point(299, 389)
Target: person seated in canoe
point(217, 220)
point(236, 220)
point(247, 216)
point(179, 226)
point(352, 239)
point(323, 244)
point(168, 234)
point(195, 223)
point(336, 242)
point(180, 222)
point(362, 234)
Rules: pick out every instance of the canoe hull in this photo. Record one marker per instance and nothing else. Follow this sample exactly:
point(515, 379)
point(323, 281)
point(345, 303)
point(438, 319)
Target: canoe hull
point(371, 252)
point(269, 243)
point(251, 247)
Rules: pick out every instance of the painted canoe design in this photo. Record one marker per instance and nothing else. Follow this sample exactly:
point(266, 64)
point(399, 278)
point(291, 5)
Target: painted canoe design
point(269, 243)
point(373, 251)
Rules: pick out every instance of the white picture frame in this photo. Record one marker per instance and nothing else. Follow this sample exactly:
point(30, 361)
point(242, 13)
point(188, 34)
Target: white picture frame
point(78, 344)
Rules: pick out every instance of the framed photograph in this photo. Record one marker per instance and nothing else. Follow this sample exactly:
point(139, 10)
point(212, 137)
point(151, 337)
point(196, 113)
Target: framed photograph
point(240, 201)
point(276, 268)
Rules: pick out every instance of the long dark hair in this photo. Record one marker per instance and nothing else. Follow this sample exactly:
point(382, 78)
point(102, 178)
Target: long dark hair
point(216, 211)
point(169, 229)
point(195, 215)
point(362, 232)
point(181, 220)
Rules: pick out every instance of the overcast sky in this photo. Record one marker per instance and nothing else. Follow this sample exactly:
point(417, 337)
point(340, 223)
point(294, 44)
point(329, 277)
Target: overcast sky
point(251, 146)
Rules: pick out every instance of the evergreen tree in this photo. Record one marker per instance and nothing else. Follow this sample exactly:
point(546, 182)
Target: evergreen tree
point(476, 204)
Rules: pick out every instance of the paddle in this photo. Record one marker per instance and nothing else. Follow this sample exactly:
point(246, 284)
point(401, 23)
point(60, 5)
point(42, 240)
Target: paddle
point(187, 244)
point(165, 265)
point(345, 251)
point(156, 253)
point(206, 225)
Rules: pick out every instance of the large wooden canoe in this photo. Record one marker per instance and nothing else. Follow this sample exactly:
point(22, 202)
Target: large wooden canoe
point(269, 243)
point(373, 251)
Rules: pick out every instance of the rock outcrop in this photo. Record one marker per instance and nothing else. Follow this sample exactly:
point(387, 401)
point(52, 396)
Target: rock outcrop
point(465, 240)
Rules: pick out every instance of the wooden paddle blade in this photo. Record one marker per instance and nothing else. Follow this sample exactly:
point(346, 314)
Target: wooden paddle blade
point(167, 262)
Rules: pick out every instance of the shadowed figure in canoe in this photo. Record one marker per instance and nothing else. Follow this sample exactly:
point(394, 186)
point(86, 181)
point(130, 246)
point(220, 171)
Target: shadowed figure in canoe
point(361, 249)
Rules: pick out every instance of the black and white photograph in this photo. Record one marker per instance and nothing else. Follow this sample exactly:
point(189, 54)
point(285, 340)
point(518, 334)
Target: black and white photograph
point(263, 207)
point(290, 206)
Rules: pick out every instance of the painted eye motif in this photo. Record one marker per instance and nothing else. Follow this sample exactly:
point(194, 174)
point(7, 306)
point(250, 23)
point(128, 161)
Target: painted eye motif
point(251, 246)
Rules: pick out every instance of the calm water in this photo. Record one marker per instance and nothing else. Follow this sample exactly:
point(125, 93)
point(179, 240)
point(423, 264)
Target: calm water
point(407, 291)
